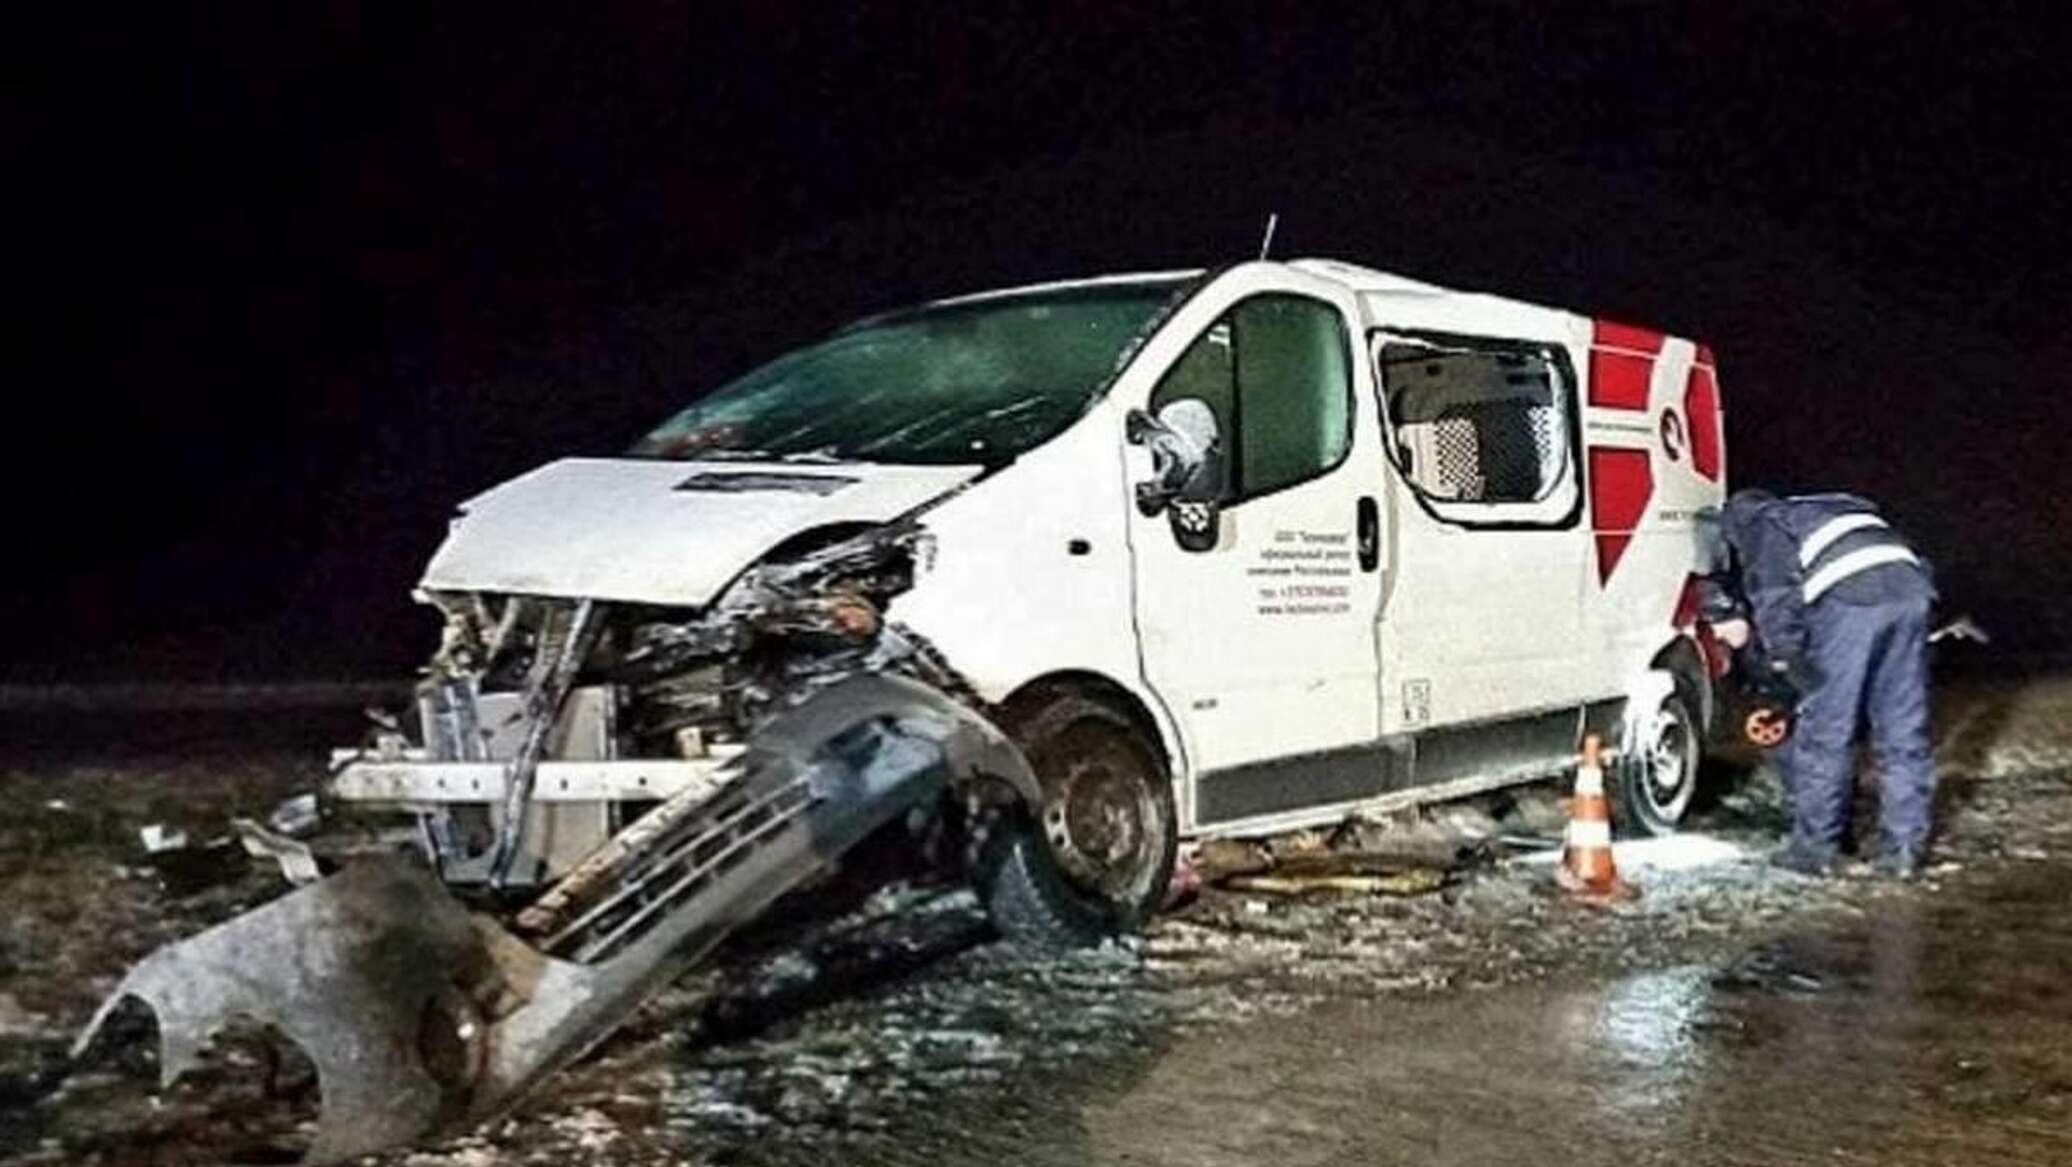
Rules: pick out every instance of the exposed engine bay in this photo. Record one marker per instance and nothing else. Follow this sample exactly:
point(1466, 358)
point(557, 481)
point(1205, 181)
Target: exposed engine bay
point(519, 680)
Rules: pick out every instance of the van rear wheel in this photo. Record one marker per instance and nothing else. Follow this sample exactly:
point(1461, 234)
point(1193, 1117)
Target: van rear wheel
point(1097, 857)
point(1655, 778)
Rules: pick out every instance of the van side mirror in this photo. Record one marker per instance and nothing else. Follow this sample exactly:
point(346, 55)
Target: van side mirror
point(1187, 461)
point(1186, 454)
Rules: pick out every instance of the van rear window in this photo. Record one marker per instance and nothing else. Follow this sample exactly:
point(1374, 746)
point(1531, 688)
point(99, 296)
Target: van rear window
point(1483, 424)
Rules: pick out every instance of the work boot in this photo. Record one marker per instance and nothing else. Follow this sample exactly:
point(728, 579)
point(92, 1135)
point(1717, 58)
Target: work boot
point(1805, 860)
point(1898, 862)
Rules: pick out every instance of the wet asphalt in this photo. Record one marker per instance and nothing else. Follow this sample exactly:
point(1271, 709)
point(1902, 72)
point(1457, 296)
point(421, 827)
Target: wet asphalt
point(1938, 1030)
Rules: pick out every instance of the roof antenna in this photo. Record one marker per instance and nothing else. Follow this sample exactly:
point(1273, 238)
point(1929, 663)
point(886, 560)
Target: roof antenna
point(1265, 245)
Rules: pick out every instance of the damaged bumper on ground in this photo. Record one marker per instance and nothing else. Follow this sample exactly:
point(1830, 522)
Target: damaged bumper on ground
point(420, 1013)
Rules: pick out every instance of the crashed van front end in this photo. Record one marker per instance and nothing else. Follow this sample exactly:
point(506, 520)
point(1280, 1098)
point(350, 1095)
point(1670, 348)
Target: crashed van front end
point(671, 687)
point(596, 792)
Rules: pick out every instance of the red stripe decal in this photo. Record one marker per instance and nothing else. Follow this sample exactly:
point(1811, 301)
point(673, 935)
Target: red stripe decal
point(1620, 484)
point(1619, 380)
point(1612, 334)
point(1705, 355)
point(1701, 411)
point(1622, 358)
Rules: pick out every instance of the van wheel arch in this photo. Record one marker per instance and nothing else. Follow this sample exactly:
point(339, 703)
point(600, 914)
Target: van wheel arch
point(1681, 660)
point(1032, 696)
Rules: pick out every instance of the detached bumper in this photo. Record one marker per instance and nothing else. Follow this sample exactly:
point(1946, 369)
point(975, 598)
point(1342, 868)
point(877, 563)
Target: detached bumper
point(420, 1014)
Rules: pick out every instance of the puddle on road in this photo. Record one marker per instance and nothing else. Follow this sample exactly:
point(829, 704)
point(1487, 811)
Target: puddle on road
point(1937, 1029)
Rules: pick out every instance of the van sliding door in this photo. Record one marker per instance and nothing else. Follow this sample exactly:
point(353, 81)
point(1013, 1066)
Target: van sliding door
point(1484, 618)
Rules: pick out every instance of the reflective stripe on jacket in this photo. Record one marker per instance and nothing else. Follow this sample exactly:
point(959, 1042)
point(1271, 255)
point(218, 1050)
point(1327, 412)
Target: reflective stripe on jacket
point(1824, 562)
point(1793, 552)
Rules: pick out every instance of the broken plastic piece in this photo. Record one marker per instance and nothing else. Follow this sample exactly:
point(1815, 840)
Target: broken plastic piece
point(297, 862)
point(157, 837)
point(348, 969)
point(296, 817)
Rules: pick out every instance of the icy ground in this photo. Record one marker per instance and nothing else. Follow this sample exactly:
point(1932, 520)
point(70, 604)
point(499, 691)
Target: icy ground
point(902, 1033)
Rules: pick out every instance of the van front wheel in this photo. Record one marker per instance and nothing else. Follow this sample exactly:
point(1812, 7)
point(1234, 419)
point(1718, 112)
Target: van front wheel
point(1097, 857)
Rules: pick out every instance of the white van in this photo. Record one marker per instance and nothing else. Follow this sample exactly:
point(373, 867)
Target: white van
point(1031, 584)
point(1226, 552)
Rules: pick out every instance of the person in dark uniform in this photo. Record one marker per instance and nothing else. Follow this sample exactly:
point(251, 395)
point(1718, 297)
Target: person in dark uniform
point(1841, 606)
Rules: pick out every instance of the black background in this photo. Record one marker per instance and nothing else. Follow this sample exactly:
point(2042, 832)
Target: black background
point(294, 279)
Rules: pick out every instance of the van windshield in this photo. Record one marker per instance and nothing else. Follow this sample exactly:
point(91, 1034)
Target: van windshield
point(977, 382)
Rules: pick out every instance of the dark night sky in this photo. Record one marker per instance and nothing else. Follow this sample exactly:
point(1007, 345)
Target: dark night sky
point(303, 276)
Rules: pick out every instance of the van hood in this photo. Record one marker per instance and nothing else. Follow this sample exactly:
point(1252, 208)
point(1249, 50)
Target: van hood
point(660, 532)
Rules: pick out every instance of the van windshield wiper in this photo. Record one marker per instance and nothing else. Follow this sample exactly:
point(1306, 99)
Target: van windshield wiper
point(812, 457)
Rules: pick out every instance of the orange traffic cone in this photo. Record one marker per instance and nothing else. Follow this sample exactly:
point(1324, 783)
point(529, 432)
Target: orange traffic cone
point(1587, 870)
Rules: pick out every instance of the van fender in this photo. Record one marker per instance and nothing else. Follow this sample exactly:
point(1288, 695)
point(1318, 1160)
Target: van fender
point(1644, 693)
point(1684, 659)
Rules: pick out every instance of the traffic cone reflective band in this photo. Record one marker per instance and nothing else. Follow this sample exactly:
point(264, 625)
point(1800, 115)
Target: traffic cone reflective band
point(1586, 855)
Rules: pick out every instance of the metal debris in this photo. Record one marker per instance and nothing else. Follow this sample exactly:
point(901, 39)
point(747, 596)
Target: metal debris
point(1346, 862)
point(555, 674)
point(1413, 881)
point(1345, 873)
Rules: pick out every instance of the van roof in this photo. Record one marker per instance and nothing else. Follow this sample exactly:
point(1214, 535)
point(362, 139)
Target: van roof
point(1140, 277)
point(1353, 276)
point(1385, 295)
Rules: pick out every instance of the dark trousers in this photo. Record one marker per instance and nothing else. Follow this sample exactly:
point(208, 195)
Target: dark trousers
point(1869, 665)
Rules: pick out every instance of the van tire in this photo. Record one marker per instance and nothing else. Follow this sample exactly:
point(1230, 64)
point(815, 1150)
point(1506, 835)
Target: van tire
point(1026, 896)
point(1656, 776)
point(1097, 858)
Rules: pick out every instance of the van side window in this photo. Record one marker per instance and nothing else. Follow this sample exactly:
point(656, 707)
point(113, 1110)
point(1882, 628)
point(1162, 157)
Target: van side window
point(1276, 372)
point(1487, 423)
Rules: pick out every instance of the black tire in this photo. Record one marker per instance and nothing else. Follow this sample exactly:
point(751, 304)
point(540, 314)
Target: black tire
point(1653, 784)
point(1098, 857)
point(1025, 894)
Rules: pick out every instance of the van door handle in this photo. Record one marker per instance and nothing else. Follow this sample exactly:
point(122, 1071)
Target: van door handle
point(1368, 531)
